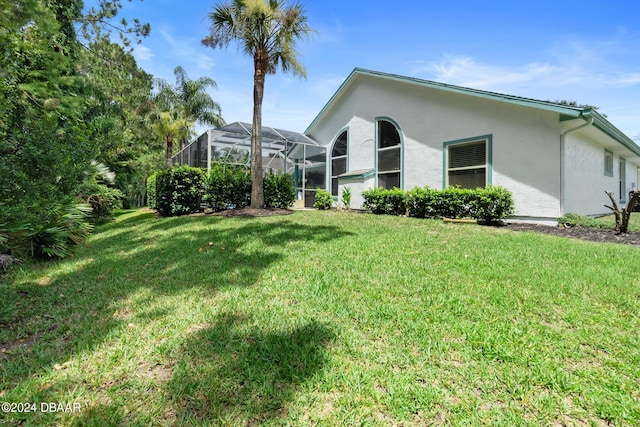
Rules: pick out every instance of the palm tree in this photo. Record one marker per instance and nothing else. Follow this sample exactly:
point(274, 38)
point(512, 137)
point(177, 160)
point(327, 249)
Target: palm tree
point(267, 30)
point(170, 125)
point(178, 108)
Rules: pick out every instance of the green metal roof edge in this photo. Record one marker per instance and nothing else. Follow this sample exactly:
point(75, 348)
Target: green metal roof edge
point(566, 110)
point(604, 125)
point(330, 101)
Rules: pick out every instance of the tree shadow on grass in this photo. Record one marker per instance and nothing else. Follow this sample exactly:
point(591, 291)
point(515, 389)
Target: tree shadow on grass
point(234, 373)
point(73, 307)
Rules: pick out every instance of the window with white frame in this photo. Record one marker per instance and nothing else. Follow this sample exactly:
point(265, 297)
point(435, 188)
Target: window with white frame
point(467, 163)
point(389, 151)
point(338, 160)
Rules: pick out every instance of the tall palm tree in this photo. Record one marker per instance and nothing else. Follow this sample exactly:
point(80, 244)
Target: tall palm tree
point(267, 30)
point(178, 108)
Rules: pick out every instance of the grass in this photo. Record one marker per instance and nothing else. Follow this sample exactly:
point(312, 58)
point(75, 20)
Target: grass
point(606, 222)
point(324, 318)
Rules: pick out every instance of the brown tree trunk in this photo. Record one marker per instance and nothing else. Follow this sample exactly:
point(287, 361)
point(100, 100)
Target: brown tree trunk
point(622, 216)
point(257, 188)
point(169, 150)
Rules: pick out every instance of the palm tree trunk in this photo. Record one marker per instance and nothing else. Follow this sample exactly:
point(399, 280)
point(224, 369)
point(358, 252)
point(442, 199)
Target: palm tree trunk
point(169, 150)
point(257, 189)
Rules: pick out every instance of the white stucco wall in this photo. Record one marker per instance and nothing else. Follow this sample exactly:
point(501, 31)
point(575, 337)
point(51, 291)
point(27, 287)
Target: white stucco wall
point(586, 181)
point(525, 141)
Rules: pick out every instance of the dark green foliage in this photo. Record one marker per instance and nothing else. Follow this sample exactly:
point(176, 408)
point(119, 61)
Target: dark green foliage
point(485, 204)
point(227, 186)
point(453, 202)
point(61, 108)
point(324, 200)
point(382, 201)
point(104, 200)
point(492, 203)
point(279, 191)
point(151, 191)
point(53, 232)
point(420, 202)
point(179, 190)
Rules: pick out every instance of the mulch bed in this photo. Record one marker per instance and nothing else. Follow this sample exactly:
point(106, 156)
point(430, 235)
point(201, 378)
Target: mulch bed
point(589, 234)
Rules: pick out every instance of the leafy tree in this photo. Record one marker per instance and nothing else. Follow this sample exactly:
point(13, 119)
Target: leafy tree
point(268, 32)
point(177, 108)
point(58, 113)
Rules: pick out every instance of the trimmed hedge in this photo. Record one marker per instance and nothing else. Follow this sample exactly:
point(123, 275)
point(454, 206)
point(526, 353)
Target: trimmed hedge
point(179, 190)
point(484, 204)
point(279, 191)
point(387, 202)
point(227, 186)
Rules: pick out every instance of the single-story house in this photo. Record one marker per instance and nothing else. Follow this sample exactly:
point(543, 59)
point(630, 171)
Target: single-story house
point(393, 131)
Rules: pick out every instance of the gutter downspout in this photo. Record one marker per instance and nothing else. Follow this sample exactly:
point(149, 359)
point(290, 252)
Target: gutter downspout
point(563, 138)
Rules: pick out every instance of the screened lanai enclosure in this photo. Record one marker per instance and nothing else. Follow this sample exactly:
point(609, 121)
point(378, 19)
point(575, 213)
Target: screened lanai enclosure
point(282, 152)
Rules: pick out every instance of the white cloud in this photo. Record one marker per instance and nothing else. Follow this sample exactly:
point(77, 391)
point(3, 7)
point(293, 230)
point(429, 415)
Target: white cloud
point(142, 53)
point(185, 51)
point(324, 88)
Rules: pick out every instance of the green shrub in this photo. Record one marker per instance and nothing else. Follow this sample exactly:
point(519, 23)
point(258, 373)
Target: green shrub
point(577, 220)
point(103, 199)
point(227, 186)
point(454, 202)
point(420, 202)
point(52, 236)
point(383, 201)
point(151, 191)
point(279, 191)
point(485, 204)
point(179, 190)
point(491, 204)
point(324, 200)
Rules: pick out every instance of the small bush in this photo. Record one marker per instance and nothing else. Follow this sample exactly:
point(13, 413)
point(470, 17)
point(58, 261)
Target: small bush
point(279, 191)
point(576, 220)
point(179, 190)
point(324, 200)
point(151, 191)
point(103, 199)
point(346, 197)
point(227, 186)
point(491, 204)
point(420, 202)
point(63, 225)
point(383, 201)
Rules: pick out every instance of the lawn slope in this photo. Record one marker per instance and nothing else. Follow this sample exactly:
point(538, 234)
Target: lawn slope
point(324, 318)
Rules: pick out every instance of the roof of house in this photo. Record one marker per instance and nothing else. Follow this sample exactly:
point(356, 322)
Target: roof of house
point(566, 112)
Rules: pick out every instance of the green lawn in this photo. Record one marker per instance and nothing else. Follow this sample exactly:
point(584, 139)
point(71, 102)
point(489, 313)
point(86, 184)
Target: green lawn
point(324, 318)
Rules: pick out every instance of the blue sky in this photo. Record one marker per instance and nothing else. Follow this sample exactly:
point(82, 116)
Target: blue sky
point(587, 51)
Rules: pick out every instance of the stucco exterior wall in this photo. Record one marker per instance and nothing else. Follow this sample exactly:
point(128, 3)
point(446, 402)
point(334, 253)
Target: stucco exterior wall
point(585, 178)
point(525, 141)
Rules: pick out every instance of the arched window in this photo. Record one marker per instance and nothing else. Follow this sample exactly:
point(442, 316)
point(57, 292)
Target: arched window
point(338, 160)
point(389, 155)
